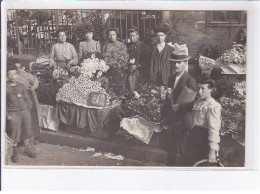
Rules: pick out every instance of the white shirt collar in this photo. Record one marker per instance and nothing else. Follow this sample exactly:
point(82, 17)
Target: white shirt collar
point(162, 44)
point(179, 75)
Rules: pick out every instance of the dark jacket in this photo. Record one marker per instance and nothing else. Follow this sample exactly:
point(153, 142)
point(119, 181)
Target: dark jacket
point(185, 80)
point(17, 98)
point(139, 51)
point(160, 63)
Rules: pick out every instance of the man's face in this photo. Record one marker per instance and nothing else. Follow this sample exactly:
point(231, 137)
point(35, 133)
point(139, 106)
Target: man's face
point(62, 37)
point(179, 66)
point(89, 35)
point(134, 37)
point(112, 36)
point(12, 75)
point(204, 90)
point(160, 37)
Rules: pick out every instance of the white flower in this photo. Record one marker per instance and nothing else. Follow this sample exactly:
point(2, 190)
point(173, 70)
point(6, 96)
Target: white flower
point(99, 74)
point(93, 56)
point(132, 61)
point(136, 94)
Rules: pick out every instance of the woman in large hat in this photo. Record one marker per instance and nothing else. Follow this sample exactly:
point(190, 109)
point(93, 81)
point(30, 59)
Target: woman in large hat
point(89, 46)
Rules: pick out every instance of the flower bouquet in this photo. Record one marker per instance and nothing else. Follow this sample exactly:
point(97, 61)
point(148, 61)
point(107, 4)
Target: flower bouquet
point(60, 74)
point(93, 67)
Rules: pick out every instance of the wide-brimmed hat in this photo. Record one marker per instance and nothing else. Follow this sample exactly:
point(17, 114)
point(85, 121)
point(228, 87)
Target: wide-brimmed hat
point(179, 55)
point(160, 29)
point(89, 29)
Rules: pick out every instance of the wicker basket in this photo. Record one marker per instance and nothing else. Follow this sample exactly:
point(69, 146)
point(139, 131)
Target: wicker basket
point(205, 163)
point(8, 147)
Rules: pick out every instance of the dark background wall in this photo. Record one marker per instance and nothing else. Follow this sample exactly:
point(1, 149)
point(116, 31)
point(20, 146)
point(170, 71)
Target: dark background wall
point(190, 28)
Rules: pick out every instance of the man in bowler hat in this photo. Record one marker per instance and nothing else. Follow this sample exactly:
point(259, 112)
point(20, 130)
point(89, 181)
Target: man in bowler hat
point(184, 88)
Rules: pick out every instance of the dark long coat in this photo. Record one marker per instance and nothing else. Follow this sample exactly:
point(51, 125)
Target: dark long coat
point(160, 66)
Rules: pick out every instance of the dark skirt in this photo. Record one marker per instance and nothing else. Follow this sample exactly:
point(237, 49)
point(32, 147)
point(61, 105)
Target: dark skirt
point(195, 146)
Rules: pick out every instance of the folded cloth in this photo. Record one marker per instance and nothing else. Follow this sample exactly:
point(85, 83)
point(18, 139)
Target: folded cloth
point(230, 68)
point(47, 117)
point(140, 128)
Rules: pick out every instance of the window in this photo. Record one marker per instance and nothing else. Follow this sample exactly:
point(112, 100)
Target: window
point(226, 18)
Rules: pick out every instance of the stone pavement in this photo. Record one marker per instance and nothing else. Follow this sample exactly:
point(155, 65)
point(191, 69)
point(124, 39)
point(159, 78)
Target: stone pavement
point(56, 155)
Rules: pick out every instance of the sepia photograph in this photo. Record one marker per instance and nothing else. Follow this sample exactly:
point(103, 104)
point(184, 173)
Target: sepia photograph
point(139, 88)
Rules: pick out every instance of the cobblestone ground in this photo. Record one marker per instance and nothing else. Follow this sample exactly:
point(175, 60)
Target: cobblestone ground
point(55, 155)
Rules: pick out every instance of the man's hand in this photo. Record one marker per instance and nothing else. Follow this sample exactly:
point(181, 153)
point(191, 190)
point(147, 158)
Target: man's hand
point(68, 66)
point(212, 156)
point(9, 117)
point(175, 107)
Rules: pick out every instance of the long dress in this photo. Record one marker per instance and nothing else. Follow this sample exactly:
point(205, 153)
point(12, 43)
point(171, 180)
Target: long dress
point(140, 52)
point(31, 83)
point(87, 47)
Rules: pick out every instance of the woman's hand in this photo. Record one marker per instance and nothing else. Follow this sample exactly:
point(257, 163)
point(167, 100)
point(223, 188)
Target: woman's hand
point(212, 156)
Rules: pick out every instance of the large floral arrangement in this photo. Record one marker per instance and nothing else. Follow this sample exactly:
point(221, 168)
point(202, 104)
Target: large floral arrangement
point(234, 103)
point(235, 55)
point(117, 60)
point(146, 102)
point(93, 67)
point(77, 90)
point(116, 56)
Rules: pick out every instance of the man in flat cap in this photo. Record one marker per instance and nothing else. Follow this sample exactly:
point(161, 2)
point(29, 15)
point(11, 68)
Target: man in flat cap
point(160, 65)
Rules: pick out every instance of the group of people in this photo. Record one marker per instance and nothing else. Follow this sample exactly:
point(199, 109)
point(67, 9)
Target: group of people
point(192, 125)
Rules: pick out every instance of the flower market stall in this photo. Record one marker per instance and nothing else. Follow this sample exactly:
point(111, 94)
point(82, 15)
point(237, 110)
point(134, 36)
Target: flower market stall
point(78, 95)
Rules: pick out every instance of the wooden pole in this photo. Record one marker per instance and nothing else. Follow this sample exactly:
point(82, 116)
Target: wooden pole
point(132, 20)
point(17, 33)
point(137, 15)
point(56, 19)
point(120, 24)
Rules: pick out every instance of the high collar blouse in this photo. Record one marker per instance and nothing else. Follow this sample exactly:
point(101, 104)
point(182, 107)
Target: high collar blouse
point(64, 51)
point(88, 47)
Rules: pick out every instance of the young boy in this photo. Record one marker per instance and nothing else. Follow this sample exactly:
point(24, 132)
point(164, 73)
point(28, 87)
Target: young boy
point(160, 66)
point(18, 117)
